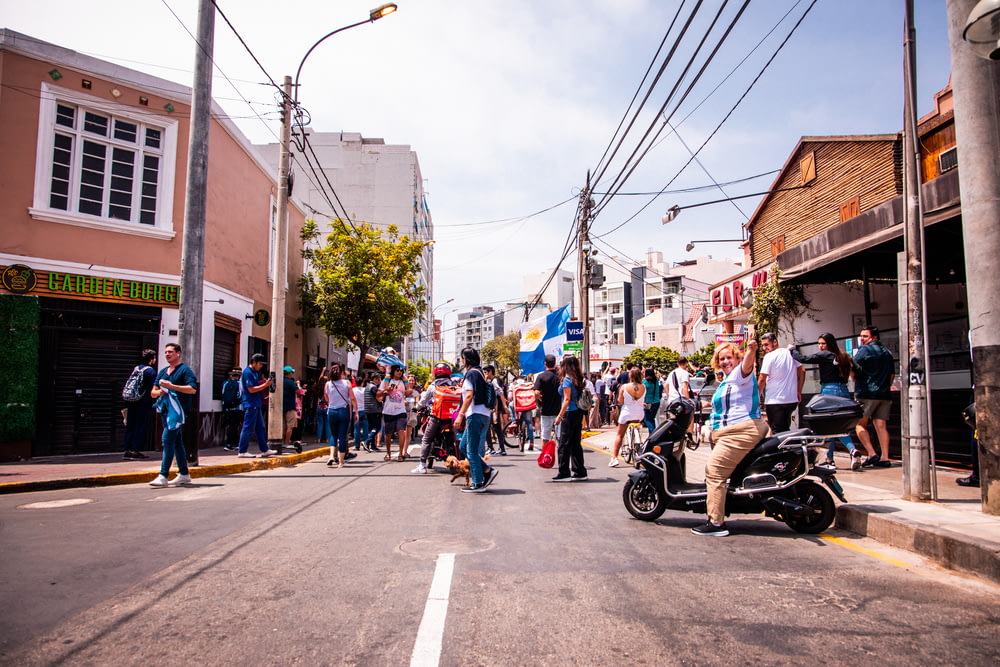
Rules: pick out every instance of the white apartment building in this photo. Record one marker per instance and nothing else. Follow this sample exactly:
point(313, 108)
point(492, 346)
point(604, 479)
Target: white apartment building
point(559, 292)
point(478, 327)
point(650, 304)
point(376, 183)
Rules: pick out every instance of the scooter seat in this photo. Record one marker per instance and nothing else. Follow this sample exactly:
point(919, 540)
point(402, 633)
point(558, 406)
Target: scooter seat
point(770, 445)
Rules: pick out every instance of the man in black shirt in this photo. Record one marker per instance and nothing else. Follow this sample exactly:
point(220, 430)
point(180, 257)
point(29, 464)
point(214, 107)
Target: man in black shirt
point(548, 397)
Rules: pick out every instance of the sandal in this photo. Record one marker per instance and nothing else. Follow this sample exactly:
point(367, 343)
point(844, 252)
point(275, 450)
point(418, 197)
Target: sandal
point(387, 458)
point(401, 457)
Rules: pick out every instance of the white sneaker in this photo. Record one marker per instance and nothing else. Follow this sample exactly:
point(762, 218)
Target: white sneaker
point(180, 479)
point(159, 481)
point(613, 463)
point(246, 455)
point(420, 470)
point(264, 455)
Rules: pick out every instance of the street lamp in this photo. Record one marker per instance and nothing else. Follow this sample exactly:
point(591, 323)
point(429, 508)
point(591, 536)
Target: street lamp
point(690, 246)
point(290, 100)
point(982, 30)
point(676, 209)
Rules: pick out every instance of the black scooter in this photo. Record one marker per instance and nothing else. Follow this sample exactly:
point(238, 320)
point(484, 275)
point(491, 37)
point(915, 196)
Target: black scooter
point(777, 477)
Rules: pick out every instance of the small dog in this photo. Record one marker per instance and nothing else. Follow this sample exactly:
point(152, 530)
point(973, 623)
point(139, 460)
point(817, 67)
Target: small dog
point(457, 468)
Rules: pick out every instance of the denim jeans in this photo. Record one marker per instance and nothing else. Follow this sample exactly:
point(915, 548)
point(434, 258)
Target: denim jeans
point(322, 425)
point(548, 427)
point(360, 430)
point(649, 411)
point(339, 418)
point(173, 447)
point(529, 424)
point(253, 422)
point(473, 445)
point(837, 389)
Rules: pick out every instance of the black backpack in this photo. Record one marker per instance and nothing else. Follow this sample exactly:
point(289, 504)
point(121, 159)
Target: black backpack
point(231, 394)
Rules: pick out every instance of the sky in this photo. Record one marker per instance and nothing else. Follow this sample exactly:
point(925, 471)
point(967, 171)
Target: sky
point(509, 103)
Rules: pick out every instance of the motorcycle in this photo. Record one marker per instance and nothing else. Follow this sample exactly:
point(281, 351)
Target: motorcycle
point(778, 477)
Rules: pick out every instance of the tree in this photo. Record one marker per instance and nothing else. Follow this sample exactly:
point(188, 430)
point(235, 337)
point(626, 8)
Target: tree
point(420, 369)
point(504, 353)
point(703, 357)
point(774, 301)
point(362, 287)
point(663, 359)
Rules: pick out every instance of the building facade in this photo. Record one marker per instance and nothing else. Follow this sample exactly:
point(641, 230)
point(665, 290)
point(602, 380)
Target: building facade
point(94, 162)
point(376, 183)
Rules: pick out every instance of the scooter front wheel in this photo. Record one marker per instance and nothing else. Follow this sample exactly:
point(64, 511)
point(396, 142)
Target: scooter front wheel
point(643, 500)
point(819, 500)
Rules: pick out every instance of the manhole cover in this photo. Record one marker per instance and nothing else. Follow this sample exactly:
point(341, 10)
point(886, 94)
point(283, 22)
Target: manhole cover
point(51, 504)
point(445, 544)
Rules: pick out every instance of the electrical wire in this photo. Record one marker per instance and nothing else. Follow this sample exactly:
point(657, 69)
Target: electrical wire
point(722, 122)
point(635, 161)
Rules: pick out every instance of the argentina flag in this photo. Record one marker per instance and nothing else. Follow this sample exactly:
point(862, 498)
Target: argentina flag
point(546, 335)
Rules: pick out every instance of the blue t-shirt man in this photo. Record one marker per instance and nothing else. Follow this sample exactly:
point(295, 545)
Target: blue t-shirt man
point(250, 378)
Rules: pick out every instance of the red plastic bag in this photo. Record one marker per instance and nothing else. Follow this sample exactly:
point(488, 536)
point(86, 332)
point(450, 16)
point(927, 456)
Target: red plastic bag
point(547, 458)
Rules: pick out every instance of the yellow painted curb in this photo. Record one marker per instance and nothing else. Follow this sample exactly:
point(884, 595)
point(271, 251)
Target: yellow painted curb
point(115, 479)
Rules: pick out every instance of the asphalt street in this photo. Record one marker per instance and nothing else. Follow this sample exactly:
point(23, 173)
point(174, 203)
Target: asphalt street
point(312, 565)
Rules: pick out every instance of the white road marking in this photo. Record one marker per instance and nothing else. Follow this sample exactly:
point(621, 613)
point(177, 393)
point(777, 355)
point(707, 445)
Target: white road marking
point(427, 649)
point(54, 504)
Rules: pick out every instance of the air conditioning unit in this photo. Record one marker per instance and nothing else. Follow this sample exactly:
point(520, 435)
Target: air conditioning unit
point(948, 160)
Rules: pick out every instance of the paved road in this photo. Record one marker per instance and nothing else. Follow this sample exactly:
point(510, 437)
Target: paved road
point(310, 565)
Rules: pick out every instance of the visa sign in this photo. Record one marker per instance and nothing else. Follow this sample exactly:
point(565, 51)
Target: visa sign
point(574, 331)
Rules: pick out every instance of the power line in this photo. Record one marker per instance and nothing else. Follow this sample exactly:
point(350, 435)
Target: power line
point(722, 122)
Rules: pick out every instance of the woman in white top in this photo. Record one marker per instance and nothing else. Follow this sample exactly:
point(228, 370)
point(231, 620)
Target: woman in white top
point(631, 399)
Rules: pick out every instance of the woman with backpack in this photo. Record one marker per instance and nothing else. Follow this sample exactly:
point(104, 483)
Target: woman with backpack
point(570, 421)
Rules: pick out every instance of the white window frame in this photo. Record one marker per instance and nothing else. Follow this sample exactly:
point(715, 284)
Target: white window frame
point(50, 97)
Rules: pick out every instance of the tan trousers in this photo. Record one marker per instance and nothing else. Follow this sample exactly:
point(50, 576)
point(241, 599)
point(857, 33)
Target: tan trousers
point(730, 445)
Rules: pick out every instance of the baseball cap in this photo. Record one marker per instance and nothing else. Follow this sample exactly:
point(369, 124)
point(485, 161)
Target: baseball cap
point(289, 369)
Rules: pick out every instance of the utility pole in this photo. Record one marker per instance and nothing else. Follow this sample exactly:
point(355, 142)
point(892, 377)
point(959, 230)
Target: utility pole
point(917, 474)
point(976, 85)
point(275, 414)
point(192, 296)
point(583, 272)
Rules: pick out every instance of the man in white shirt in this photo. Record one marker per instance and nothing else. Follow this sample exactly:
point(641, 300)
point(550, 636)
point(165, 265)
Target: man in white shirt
point(780, 380)
point(678, 381)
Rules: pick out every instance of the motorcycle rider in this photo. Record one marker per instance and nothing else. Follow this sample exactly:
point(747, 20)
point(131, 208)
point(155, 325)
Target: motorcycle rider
point(442, 378)
point(737, 427)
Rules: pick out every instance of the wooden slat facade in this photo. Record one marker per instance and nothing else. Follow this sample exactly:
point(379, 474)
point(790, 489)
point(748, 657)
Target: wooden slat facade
point(866, 168)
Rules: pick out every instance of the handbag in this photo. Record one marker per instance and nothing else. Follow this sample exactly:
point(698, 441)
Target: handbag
point(547, 458)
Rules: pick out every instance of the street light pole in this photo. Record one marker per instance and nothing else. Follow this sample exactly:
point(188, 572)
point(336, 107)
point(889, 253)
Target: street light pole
point(977, 135)
point(275, 412)
point(289, 103)
point(918, 478)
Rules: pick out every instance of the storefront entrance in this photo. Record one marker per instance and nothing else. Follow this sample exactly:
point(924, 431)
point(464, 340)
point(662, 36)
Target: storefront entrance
point(87, 351)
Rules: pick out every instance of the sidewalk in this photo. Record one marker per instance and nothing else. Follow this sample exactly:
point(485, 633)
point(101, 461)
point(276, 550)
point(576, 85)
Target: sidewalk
point(951, 531)
point(66, 472)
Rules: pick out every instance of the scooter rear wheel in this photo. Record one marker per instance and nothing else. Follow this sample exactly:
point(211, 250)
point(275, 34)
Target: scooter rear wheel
point(643, 500)
point(819, 500)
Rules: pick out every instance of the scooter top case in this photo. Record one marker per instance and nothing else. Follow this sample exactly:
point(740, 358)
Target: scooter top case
point(825, 414)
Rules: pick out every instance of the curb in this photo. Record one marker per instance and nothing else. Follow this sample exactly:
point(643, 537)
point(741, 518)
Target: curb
point(148, 476)
point(964, 553)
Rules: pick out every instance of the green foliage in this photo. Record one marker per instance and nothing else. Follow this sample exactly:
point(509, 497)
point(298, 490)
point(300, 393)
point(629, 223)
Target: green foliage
point(362, 288)
point(703, 357)
point(19, 320)
point(504, 352)
point(774, 301)
point(420, 369)
point(663, 359)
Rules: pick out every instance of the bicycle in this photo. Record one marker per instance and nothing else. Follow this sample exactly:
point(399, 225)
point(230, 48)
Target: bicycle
point(632, 442)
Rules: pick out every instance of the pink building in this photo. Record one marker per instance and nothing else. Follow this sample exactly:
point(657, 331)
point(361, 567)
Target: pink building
point(92, 197)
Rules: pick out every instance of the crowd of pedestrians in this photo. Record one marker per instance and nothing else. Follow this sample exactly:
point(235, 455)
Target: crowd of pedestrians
point(377, 408)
